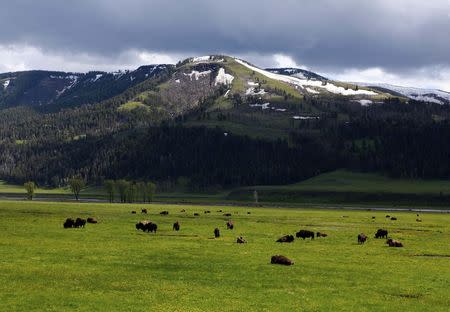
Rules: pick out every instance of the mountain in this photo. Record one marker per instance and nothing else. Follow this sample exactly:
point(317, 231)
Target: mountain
point(51, 90)
point(215, 121)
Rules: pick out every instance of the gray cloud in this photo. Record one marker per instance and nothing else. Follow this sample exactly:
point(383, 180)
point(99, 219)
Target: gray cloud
point(325, 35)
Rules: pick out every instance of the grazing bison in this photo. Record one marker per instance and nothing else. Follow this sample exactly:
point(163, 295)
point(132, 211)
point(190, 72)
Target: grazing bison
point(216, 233)
point(183, 210)
point(230, 225)
point(394, 243)
point(150, 227)
point(144, 210)
point(362, 238)
point(69, 223)
point(418, 220)
point(133, 212)
point(279, 259)
point(286, 239)
point(318, 234)
point(219, 210)
point(207, 211)
point(240, 240)
point(196, 214)
point(176, 226)
point(91, 220)
point(227, 214)
point(381, 233)
point(373, 218)
point(305, 234)
point(394, 218)
point(80, 223)
point(248, 212)
point(164, 213)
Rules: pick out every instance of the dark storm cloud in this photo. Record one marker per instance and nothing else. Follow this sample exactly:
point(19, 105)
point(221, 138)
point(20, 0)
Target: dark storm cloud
point(326, 34)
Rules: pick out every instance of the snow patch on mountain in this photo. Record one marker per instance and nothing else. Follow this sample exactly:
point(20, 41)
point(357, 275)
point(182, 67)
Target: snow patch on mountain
point(263, 106)
point(196, 74)
point(418, 94)
point(312, 91)
point(6, 83)
point(97, 77)
point(223, 77)
point(68, 87)
point(252, 91)
point(304, 82)
point(364, 102)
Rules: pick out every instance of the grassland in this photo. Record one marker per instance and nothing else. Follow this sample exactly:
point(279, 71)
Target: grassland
point(110, 266)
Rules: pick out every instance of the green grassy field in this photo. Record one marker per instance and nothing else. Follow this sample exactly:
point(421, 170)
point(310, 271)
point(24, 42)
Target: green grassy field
point(110, 266)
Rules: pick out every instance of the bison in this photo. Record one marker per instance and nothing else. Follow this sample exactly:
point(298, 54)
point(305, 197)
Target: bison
point(318, 234)
point(183, 210)
point(176, 226)
point(80, 223)
point(91, 220)
point(388, 216)
point(230, 225)
point(133, 212)
point(144, 210)
point(305, 234)
point(362, 238)
point(216, 233)
point(69, 223)
point(207, 211)
point(240, 240)
point(418, 220)
point(394, 243)
point(394, 218)
point(286, 239)
point(164, 213)
point(381, 233)
point(279, 259)
point(227, 214)
point(196, 214)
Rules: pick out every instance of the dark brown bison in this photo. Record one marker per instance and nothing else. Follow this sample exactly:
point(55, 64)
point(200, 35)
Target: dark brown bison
point(381, 233)
point(394, 243)
point(133, 212)
point(394, 218)
point(318, 234)
point(196, 214)
point(69, 223)
point(219, 210)
point(183, 210)
point(227, 214)
point(164, 213)
point(279, 259)
point(150, 227)
point(305, 234)
point(230, 225)
point(362, 238)
point(286, 239)
point(91, 220)
point(144, 210)
point(240, 240)
point(176, 226)
point(141, 225)
point(388, 216)
point(248, 212)
point(207, 211)
point(80, 223)
point(216, 233)
point(373, 218)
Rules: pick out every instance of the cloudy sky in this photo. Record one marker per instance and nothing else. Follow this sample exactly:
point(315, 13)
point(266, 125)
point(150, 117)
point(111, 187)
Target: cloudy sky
point(405, 42)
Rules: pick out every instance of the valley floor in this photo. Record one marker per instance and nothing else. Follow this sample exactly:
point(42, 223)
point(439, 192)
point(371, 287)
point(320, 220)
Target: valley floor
point(110, 266)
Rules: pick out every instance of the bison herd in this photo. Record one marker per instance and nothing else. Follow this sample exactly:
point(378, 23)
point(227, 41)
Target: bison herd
point(151, 227)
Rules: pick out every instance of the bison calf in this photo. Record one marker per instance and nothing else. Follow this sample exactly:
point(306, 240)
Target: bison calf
point(279, 259)
point(91, 220)
point(216, 233)
point(318, 234)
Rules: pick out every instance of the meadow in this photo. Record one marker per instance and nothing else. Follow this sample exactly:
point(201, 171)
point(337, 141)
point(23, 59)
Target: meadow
point(110, 266)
